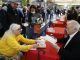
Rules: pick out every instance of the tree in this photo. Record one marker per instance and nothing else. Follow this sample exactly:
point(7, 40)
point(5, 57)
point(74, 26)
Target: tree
point(24, 2)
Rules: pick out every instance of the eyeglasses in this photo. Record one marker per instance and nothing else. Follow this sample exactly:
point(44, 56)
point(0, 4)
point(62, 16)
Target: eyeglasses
point(19, 29)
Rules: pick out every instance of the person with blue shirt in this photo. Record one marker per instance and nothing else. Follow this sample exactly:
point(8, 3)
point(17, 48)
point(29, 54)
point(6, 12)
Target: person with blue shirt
point(35, 31)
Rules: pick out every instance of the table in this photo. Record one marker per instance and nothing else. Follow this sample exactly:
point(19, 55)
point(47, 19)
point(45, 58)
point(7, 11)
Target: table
point(49, 53)
point(58, 32)
point(59, 23)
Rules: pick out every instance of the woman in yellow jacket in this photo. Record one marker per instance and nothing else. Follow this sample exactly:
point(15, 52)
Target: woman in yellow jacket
point(9, 43)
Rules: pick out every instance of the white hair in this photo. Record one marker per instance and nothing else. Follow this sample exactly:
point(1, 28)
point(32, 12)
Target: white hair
point(10, 32)
point(75, 24)
point(14, 26)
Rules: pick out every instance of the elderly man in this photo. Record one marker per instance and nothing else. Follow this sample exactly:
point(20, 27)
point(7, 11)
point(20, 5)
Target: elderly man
point(71, 50)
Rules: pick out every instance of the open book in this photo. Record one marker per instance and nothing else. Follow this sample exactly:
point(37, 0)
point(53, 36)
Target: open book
point(49, 38)
point(52, 40)
point(41, 43)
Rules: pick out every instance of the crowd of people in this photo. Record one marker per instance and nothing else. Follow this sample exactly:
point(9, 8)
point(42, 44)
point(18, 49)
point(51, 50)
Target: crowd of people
point(12, 14)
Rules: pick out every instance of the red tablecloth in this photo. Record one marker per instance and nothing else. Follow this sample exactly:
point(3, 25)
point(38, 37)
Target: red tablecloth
point(58, 32)
point(49, 53)
point(59, 23)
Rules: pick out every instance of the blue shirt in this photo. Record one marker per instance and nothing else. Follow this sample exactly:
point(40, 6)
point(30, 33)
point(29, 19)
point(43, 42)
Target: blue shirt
point(32, 35)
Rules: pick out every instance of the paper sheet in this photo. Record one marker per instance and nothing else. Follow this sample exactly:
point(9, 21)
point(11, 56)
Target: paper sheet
point(41, 43)
point(50, 39)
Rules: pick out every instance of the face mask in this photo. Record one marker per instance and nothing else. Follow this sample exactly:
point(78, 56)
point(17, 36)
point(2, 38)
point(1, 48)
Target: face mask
point(33, 12)
point(5, 8)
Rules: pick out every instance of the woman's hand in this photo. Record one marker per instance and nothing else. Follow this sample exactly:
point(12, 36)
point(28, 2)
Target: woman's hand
point(35, 45)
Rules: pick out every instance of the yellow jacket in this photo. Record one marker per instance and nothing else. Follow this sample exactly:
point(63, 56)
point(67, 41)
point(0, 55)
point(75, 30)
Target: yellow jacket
point(10, 46)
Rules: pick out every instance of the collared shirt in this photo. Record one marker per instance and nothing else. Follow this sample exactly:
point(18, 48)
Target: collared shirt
point(71, 36)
